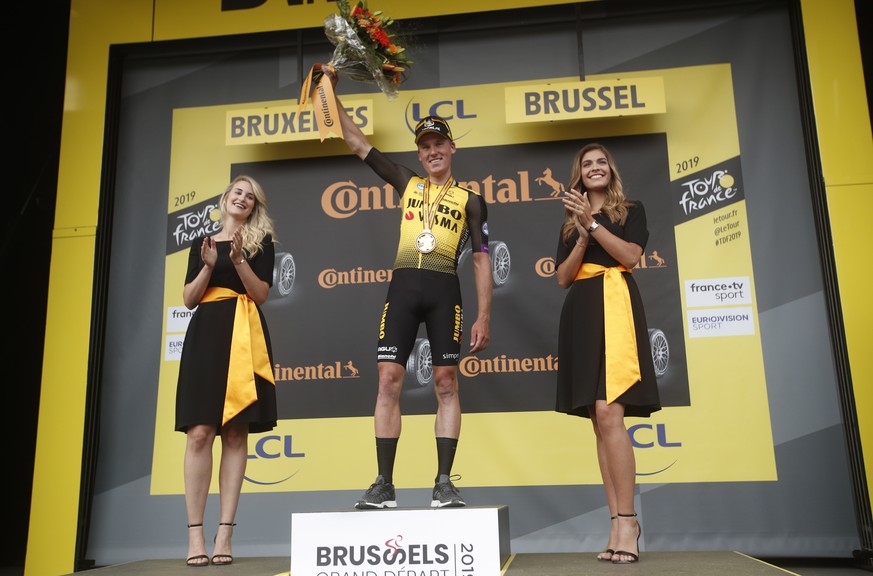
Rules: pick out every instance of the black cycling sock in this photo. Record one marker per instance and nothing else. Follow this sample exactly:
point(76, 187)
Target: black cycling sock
point(386, 450)
point(446, 448)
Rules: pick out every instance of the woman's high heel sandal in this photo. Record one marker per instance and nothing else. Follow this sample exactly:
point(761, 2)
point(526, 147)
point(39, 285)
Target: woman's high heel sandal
point(633, 557)
point(609, 551)
point(200, 559)
point(222, 559)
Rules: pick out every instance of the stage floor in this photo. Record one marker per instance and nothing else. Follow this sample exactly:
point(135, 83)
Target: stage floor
point(555, 564)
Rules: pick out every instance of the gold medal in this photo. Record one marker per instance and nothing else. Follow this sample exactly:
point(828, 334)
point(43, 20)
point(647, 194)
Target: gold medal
point(425, 242)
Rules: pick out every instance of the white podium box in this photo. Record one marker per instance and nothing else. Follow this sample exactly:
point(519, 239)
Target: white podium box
point(469, 541)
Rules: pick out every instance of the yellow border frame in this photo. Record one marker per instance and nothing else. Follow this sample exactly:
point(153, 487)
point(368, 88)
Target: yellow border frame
point(842, 121)
point(202, 160)
point(846, 147)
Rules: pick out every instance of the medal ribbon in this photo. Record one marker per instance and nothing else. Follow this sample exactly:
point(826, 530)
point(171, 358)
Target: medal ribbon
point(248, 352)
point(428, 210)
point(323, 102)
point(622, 361)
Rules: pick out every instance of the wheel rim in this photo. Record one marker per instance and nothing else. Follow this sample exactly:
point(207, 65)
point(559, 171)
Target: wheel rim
point(287, 272)
point(424, 368)
point(500, 264)
point(660, 352)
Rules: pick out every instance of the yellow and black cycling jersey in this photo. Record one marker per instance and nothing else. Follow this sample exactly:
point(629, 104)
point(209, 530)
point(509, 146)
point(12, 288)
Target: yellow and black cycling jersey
point(461, 215)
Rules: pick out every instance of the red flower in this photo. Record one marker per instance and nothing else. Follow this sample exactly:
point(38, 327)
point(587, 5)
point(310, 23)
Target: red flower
point(380, 36)
point(387, 57)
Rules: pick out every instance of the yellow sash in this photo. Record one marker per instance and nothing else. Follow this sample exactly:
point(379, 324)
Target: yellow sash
point(323, 102)
point(248, 353)
point(622, 362)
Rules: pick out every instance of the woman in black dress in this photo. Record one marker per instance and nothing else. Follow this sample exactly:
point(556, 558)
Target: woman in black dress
point(602, 238)
point(226, 384)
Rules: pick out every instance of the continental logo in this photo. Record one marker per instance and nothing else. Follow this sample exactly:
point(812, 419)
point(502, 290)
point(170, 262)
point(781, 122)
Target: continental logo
point(331, 277)
point(327, 371)
point(545, 266)
point(472, 366)
point(345, 199)
point(324, 107)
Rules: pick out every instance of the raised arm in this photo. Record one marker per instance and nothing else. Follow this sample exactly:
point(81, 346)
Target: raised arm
point(353, 136)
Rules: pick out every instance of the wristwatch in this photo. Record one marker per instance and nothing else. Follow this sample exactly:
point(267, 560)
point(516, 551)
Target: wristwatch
point(594, 226)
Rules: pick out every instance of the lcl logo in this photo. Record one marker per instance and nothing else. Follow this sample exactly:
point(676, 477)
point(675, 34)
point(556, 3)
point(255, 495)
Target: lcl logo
point(641, 436)
point(273, 446)
point(447, 109)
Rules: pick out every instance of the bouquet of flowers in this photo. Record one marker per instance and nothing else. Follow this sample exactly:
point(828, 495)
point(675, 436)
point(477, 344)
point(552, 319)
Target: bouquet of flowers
point(367, 48)
point(365, 51)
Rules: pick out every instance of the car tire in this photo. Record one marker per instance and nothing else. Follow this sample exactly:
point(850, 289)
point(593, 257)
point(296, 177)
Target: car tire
point(284, 272)
point(500, 261)
point(660, 351)
point(420, 363)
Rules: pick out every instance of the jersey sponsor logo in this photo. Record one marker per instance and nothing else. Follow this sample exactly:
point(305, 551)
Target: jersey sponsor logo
point(458, 326)
point(445, 217)
point(382, 321)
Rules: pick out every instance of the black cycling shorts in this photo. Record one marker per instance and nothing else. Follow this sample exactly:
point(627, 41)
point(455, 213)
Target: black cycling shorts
point(416, 296)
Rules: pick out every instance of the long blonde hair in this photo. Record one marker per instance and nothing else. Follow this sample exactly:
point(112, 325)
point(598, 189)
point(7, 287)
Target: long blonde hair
point(259, 223)
point(616, 204)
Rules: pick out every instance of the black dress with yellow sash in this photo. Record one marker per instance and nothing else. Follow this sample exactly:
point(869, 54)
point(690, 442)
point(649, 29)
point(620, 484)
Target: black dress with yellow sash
point(203, 369)
point(581, 333)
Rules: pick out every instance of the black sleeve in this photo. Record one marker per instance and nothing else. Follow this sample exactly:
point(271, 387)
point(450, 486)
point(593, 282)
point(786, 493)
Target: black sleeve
point(194, 261)
point(477, 223)
point(395, 174)
point(564, 249)
point(263, 262)
point(635, 226)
